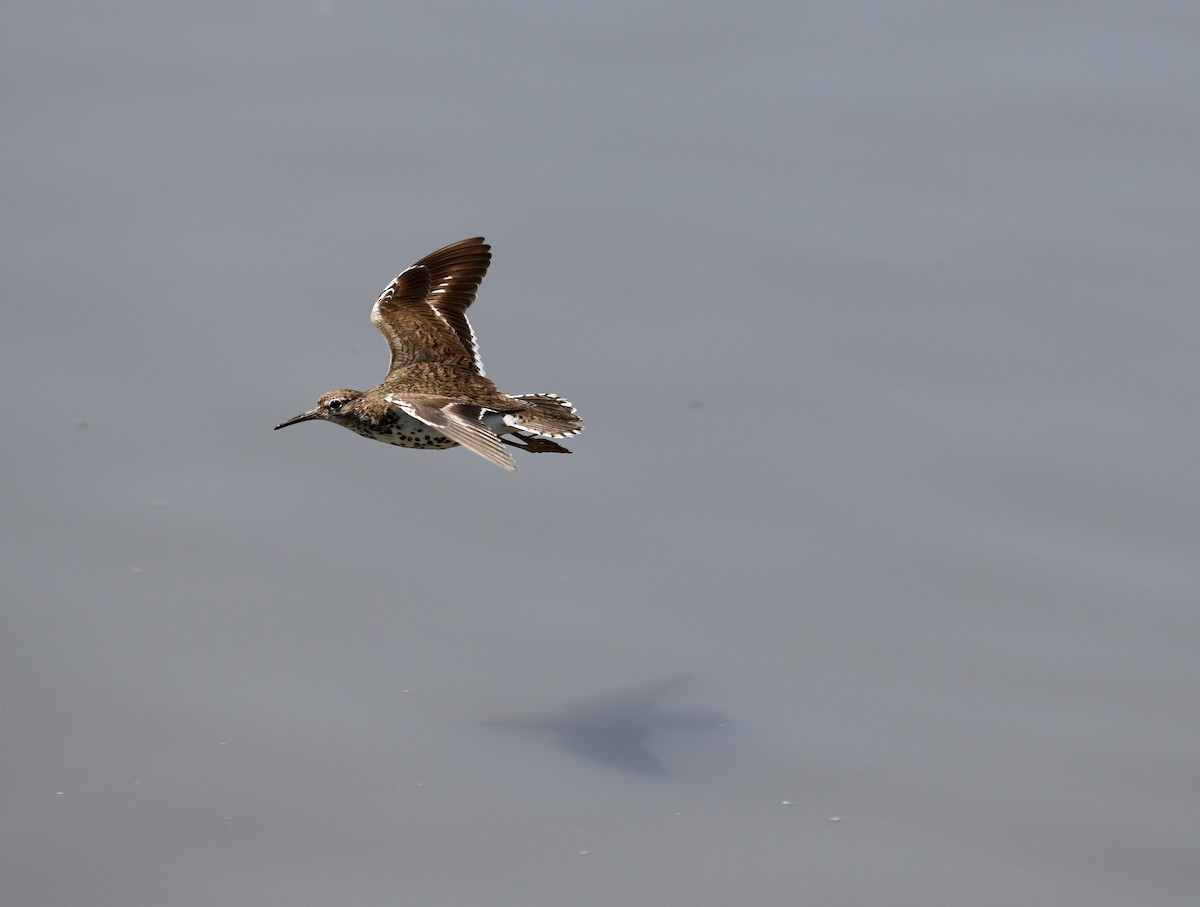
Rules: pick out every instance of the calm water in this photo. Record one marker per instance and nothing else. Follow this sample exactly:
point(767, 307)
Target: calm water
point(872, 581)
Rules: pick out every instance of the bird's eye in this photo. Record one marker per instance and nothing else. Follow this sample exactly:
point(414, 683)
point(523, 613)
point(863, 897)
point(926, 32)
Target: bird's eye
point(337, 403)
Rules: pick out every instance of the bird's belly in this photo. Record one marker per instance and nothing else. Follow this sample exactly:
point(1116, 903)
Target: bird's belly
point(403, 430)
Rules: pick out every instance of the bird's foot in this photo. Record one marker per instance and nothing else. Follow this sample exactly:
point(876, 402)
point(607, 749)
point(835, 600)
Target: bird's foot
point(535, 445)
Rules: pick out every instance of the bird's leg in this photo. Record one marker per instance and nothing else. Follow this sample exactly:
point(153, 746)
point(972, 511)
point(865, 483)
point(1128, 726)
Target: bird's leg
point(535, 445)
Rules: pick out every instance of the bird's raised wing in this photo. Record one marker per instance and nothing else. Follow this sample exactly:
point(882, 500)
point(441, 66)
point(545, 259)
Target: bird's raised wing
point(423, 313)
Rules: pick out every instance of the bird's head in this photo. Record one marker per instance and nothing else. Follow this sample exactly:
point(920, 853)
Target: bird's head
point(331, 406)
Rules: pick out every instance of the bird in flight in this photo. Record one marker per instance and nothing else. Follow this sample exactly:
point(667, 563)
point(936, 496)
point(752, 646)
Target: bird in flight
point(435, 395)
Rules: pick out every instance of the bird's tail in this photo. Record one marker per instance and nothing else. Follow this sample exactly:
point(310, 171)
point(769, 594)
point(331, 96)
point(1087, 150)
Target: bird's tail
point(547, 415)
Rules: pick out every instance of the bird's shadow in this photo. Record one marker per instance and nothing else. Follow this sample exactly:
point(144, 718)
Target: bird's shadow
point(615, 728)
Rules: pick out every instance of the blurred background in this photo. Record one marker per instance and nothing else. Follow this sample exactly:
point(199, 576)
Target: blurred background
point(872, 581)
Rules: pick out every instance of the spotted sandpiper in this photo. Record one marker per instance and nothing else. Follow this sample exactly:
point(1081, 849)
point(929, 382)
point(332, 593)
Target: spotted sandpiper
point(435, 394)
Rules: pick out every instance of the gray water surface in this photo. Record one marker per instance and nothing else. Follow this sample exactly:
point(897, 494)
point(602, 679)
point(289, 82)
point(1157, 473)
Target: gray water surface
point(873, 580)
